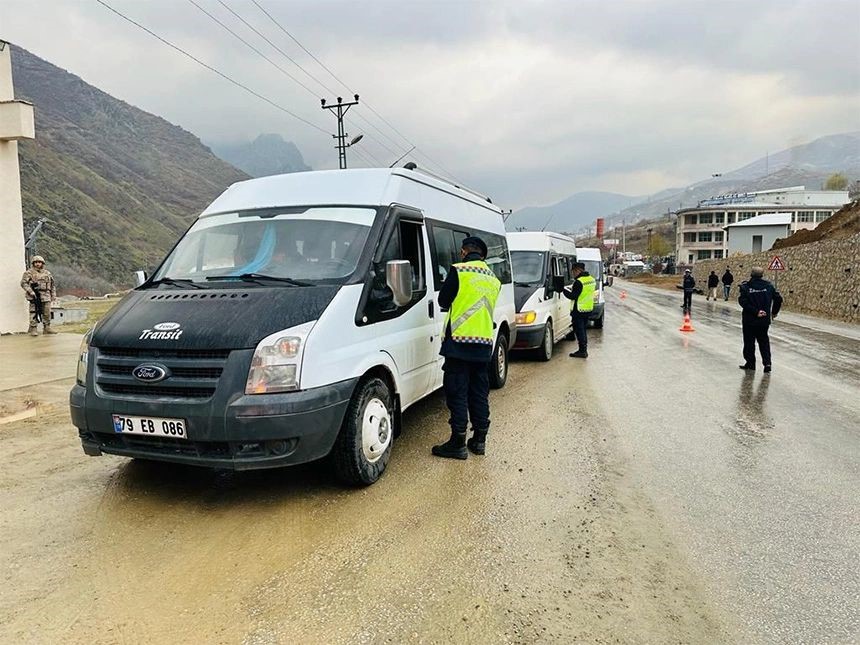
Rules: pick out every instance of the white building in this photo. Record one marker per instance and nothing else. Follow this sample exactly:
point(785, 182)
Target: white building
point(16, 123)
point(757, 234)
point(701, 235)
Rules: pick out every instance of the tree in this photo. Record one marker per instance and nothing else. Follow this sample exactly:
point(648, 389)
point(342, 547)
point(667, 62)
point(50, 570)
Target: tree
point(659, 247)
point(836, 181)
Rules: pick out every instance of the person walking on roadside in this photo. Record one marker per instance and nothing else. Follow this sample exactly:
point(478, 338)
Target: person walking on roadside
point(689, 286)
point(760, 302)
point(713, 283)
point(39, 289)
point(581, 295)
point(469, 296)
point(727, 280)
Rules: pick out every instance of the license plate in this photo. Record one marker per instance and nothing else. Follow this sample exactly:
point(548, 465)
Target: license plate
point(150, 426)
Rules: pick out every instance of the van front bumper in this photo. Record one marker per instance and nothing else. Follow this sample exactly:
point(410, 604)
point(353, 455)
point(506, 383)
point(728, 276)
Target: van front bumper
point(249, 432)
point(529, 336)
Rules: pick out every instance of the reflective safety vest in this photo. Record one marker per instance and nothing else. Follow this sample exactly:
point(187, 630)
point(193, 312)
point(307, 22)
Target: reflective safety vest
point(585, 302)
point(471, 313)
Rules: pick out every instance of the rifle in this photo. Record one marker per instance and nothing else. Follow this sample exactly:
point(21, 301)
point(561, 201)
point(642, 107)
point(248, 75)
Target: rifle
point(37, 300)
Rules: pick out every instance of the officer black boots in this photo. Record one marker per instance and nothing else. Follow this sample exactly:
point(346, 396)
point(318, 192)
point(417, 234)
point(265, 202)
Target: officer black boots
point(478, 443)
point(454, 448)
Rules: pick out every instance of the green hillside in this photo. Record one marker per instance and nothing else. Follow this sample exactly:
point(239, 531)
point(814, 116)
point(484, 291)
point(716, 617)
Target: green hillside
point(117, 184)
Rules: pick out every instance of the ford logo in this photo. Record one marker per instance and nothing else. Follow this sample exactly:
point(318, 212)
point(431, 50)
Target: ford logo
point(150, 373)
point(166, 326)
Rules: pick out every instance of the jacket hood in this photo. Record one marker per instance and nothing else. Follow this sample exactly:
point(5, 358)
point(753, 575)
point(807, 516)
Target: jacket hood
point(209, 318)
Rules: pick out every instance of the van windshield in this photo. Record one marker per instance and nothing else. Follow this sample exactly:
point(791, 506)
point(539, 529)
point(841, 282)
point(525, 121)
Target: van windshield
point(529, 267)
point(316, 244)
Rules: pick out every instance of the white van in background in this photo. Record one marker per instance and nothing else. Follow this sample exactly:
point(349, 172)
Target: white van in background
point(593, 261)
point(297, 318)
point(543, 314)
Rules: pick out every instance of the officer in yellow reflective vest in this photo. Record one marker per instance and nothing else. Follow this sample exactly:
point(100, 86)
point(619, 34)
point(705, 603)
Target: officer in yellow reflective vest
point(581, 296)
point(469, 295)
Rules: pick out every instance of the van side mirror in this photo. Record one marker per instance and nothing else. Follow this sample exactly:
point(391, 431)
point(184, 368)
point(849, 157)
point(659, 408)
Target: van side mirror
point(398, 277)
point(140, 277)
point(558, 283)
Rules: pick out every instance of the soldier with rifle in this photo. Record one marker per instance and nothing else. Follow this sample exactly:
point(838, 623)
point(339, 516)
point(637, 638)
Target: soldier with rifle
point(38, 284)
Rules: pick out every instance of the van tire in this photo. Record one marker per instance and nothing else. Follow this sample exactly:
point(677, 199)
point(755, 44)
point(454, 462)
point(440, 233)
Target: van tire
point(499, 364)
point(598, 324)
point(544, 352)
point(349, 456)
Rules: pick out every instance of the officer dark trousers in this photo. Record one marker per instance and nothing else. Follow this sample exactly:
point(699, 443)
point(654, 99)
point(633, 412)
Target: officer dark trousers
point(756, 332)
point(467, 391)
point(580, 325)
point(688, 300)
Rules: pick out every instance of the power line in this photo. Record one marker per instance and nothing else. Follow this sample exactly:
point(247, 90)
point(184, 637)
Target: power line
point(212, 69)
point(250, 46)
point(369, 107)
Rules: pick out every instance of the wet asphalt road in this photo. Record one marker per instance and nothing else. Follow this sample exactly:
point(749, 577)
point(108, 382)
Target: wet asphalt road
point(757, 475)
point(654, 493)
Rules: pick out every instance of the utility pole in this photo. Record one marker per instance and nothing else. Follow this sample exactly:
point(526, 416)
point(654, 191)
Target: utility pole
point(624, 237)
point(30, 248)
point(650, 252)
point(340, 109)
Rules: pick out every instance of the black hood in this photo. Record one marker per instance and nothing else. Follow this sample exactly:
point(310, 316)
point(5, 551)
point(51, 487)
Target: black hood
point(209, 318)
point(522, 294)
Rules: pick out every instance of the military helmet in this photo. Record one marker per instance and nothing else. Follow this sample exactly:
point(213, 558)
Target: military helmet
point(37, 258)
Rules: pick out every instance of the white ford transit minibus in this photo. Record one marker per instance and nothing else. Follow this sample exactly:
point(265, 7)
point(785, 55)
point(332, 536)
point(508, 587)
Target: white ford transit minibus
point(295, 319)
point(541, 263)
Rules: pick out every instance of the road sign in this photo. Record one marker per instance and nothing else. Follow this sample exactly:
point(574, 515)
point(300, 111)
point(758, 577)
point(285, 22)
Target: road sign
point(776, 264)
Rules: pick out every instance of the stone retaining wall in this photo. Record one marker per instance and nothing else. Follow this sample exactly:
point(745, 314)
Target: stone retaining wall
point(821, 278)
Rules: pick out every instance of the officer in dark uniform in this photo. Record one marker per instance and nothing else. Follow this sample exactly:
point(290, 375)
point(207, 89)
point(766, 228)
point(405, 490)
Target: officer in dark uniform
point(581, 295)
point(761, 303)
point(469, 296)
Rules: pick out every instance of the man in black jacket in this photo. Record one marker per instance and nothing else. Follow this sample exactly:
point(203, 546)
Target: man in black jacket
point(689, 285)
point(761, 303)
point(713, 283)
point(727, 279)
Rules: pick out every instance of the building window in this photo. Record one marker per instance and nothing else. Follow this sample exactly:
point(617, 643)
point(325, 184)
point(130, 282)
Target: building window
point(820, 216)
point(805, 216)
point(719, 218)
point(718, 254)
point(745, 215)
point(731, 218)
point(704, 255)
point(690, 259)
point(718, 236)
point(705, 236)
point(706, 218)
point(691, 220)
point(689, 238)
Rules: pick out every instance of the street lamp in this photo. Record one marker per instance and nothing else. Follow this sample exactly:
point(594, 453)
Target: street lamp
point(355, 140)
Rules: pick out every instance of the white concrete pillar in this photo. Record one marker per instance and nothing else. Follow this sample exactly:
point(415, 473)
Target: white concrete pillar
point(16, 122)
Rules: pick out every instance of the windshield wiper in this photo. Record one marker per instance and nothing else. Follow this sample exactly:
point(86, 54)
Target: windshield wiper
point(176, 282)
point(260, 278)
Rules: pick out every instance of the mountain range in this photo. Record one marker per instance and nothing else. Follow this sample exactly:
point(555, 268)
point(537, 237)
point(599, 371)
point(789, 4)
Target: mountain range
point(116, 184)
point(266, 155)
point(808, 164)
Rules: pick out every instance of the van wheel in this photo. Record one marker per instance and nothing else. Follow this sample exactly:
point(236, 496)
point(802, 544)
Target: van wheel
point(363, 447)
point(544, 352)
point(499, 364)
point(598, 324)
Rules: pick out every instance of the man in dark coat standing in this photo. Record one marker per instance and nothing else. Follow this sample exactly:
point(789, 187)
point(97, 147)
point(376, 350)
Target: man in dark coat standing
point(727, 280)
point(689, 285)
point(761, 303)
point(713, 283)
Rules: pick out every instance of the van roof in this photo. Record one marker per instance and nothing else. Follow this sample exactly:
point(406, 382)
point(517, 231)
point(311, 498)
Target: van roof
point(354, 187)
point(589, 253)
point(539, 241)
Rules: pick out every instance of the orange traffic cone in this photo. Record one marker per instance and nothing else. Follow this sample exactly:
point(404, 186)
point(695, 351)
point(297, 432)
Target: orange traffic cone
point(687, 326)
point(623, 294)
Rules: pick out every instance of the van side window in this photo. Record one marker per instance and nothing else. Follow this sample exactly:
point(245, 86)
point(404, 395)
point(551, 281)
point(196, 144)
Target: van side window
point(406, 242)
point(498, 258)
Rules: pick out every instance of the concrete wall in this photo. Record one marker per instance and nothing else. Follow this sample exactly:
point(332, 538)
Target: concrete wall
point(13, 306)
point(821, 278)
point(741, 237)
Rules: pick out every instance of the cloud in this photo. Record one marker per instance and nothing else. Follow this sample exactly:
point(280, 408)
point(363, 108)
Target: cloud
point(529, 101)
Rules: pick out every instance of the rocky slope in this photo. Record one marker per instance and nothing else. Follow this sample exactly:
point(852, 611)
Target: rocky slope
point(266, 155)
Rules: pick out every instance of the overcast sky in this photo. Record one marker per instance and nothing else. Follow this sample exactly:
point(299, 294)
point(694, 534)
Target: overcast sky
point(528, 101)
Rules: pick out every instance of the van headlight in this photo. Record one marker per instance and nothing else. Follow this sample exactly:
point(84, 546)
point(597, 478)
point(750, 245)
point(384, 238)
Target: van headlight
point(276, 364)
point(526, 317)
point(84, 358)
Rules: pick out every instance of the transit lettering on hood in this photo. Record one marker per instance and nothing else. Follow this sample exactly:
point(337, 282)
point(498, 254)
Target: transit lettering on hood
point(162, 331)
